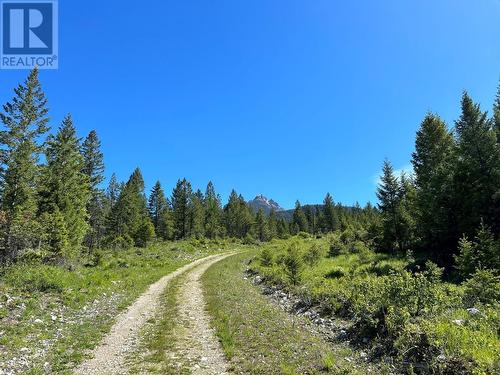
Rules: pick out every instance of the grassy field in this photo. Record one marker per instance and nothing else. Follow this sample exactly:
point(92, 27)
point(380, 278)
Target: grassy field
point(50, 315)
point(396, 310)
point(257, 336)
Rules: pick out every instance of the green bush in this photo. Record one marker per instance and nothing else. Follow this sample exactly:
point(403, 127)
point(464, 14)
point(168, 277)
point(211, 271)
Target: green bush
point(336, 273)
point(293, 264)
point(335, 245)
point(266, 257)
point(313, 254)
point(483, 287)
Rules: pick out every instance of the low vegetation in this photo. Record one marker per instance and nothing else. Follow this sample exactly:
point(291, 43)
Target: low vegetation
point(397, 309)
point(260, 338)
point(50, 315)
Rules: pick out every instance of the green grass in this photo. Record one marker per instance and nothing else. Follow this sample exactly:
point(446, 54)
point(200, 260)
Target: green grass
point(86, 298)
point(158, 338)
point(411, 318)
point(257, 336)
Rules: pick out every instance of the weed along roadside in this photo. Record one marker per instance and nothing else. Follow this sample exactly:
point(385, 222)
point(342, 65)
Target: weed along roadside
point(53, 318)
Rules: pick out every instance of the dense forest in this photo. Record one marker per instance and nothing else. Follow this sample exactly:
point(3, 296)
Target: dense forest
point(54, 206)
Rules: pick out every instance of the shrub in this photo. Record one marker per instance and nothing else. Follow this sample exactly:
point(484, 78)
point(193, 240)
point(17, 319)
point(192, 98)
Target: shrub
point(293, 264)
point(336, 247)
point(313, 254)
point(336, 273)
point(266, 257)
point(482, 287)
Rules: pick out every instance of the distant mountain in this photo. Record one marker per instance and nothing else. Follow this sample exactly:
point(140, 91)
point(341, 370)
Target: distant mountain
point(261, 202)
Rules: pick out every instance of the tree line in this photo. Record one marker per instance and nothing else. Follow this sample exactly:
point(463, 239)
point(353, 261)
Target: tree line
point(448, 210)
point(53, 205)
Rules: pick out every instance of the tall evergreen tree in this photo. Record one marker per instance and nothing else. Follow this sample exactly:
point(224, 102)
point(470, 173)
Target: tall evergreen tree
point(496, 114)
point(331, 220)
point(25, 120)
point(213, 212)
point(129, 222)
point(113, 191)
point(181, 206)
point(477, 173)
point(93, 168)
point(64, 186)
point(197, 215)
point(157, 207)
point(390, 203)
point(272, 224)
point(261, 226)
point(433, 162)
point(299, 220)
point(238, 216)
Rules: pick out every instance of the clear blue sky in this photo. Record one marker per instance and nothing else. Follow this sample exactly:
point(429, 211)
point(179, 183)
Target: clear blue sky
point(286, 98)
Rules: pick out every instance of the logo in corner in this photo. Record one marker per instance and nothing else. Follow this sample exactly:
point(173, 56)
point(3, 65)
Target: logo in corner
point(29, 34)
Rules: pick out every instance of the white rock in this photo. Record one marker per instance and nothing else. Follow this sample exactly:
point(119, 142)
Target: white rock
point(473, 311)
point(38, 321)
point(458, 322)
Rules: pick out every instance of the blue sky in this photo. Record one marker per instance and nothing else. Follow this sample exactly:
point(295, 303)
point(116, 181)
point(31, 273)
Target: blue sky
point(286, 98)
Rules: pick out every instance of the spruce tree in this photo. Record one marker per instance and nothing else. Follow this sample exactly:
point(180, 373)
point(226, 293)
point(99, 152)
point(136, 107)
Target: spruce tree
point(181, 206)
point(197, 215)
point(64, 186)
point(390, 204)
point(238, 216)
point(477, 172)
point(299, 221)
point(25, 121)
point(213, 212)
point(496, 114)
point(272, 224)
point(433, 162)
point(128, 222)
point(330, 216)
point(93, 168)
point(157, 206)
point(261, 226)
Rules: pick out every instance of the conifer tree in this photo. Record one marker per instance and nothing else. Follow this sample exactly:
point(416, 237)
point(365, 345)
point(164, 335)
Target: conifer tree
point(433, 162)
point(496, 114)
point(477, 172)
point(64, 187)
point(128, 222)
point(272, 224)
point(330, 216)
point(282, 230)
point(213, 212)
point(238, 216)
point(25, 121)
point(157, 206)
point(261, 226)
point(390, 203)
point(93, 168)
point(197, 215)
point(113, 191)
point(299, 220)
point(181, 206)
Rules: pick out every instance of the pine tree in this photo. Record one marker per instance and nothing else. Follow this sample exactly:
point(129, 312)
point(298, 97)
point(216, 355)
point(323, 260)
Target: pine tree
point(477, 172)
point(64, 187)
point(56, 236)
point(213, 212)
point(157, 206)
point(299, 221)
point(25, 120)
point(433, 161)
point(261, 226)
point(181, 205)
point(93, 168)
point(390, 203)
point(197, 215)
point(282, 230)
point(330, 216)
point(272, 224)
point(496, 114)
point(113, 191)
point(128, 220)
point(238, 216)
